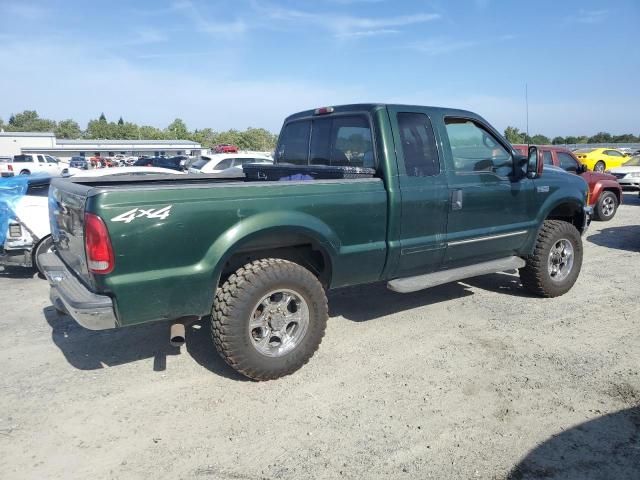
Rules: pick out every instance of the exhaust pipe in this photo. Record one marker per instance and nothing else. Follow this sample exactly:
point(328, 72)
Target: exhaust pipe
point(177, 335)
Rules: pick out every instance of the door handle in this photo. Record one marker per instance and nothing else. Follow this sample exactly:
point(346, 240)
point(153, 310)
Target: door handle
point(456, 200)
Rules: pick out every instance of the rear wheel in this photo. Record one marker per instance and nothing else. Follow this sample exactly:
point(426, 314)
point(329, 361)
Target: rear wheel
point(556, 261)
point(269, 318)
point(606, 207)
point(25, 172)
point(45, 246)
point(599, 166)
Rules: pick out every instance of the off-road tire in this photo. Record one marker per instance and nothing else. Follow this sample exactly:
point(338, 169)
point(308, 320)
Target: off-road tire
point(535, 275)
point(600, 169)
point(599, 210)
point(232, 309)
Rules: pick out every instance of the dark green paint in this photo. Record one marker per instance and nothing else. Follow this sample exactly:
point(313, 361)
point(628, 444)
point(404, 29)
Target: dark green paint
point(369, 230)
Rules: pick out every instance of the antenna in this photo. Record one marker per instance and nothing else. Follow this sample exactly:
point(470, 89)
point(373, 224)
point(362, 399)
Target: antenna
point(526, 101)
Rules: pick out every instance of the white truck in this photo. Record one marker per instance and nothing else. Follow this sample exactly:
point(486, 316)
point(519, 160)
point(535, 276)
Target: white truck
point(29, 163)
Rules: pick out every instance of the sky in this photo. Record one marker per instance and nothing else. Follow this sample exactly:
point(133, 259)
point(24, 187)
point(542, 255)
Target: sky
point(250, 63)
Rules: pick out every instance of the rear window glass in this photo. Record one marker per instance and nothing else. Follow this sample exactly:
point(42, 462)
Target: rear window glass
point(294, 143)
point(584, 150)
point(341, 141)
point(23, 158)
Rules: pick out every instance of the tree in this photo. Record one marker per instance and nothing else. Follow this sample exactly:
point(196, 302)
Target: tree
point(120, 121)
point(29, 121)
point(146, 132)
point(558, 141)
point(68, 129)
point(102, 118)
point(178, 130)
point(513, 135)
point(600, 137)
point(539, 139)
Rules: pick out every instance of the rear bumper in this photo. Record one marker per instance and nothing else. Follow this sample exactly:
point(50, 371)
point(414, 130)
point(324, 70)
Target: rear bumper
point(67, 293)
point(16, 258)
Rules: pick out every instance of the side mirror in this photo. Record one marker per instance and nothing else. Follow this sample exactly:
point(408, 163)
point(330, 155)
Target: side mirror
point(582, 168)
point(535, 163)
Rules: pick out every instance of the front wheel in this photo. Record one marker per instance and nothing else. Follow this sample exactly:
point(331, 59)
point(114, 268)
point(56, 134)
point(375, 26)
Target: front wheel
point(599, 166)
point(556, 261)
point(269, 318)
point(606, 207)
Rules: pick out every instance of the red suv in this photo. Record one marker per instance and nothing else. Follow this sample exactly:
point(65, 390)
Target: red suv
point(225, 148)
point(605, 193)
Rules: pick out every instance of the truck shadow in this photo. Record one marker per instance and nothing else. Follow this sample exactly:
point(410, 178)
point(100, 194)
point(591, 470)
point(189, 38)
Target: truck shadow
point(17, 272)
point(366, 302)
point(606, 447)
point(91, 350)
point(621, 238)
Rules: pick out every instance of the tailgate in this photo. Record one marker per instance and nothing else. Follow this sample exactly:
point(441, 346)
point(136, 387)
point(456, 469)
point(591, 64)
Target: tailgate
point(66, 214)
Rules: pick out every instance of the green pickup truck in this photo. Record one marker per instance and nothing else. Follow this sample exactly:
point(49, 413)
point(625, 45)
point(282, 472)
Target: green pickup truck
point(450, 199)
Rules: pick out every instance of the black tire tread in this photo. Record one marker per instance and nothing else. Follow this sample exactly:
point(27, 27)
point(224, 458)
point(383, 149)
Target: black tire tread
point(534, 275)
point(234, 292)
point(598, 208)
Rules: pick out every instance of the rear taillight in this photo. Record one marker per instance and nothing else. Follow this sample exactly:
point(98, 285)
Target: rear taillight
point(97, 245)
point(10, 168)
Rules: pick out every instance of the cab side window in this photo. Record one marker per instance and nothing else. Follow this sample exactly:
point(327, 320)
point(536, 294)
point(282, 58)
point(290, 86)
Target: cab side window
point(475, 150)
point(418, 145)
point(567, 162)
point(546, 157)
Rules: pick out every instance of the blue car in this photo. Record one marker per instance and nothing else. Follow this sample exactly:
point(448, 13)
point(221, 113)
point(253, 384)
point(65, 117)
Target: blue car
point(79, 162)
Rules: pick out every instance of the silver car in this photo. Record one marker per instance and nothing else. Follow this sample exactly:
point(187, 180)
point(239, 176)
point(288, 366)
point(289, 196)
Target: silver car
point(628, 174)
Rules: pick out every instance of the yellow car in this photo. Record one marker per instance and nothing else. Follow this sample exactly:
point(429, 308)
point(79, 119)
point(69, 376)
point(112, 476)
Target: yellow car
point(601, 159)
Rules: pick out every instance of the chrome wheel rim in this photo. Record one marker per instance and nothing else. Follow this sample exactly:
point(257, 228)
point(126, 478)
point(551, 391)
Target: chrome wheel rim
point(608, 206)
point(560, 260)
point(278, 323)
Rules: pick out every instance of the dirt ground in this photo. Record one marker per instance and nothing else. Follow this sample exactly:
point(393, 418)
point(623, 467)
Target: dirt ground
point(473, 379)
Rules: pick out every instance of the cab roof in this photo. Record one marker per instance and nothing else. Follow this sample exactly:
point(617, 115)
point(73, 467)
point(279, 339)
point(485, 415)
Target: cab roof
point(372, 107)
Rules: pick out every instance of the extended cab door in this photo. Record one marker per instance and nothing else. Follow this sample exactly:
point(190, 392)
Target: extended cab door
point(491, 203)
point(423, 189)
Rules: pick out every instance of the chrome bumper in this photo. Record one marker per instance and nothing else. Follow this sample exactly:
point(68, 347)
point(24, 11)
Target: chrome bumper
point(67, 293)
point(588, 215)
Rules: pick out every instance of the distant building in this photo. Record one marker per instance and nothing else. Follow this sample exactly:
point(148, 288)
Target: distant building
point(16, 143)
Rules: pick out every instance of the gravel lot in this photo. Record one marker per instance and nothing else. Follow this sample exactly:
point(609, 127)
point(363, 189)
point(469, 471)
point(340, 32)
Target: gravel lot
point(473, 379)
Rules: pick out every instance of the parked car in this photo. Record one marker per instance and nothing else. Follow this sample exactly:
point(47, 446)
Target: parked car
point(173, 163)
point(28, 164)
point(600, 159)
point(628, 174)
point(262, 254)
point(28, 232)
point(225, 148)
point(218, 162)
point(6, 167)
point(605, 193)
point(79, 163)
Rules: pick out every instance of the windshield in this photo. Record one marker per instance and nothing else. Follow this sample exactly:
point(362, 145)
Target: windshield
point(198, 164)
point(634, 162)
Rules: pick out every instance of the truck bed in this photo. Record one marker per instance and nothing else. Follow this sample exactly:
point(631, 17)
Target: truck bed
point(195, 222)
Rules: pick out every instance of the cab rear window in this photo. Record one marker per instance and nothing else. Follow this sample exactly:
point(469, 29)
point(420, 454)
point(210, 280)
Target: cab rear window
point(344, 140)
